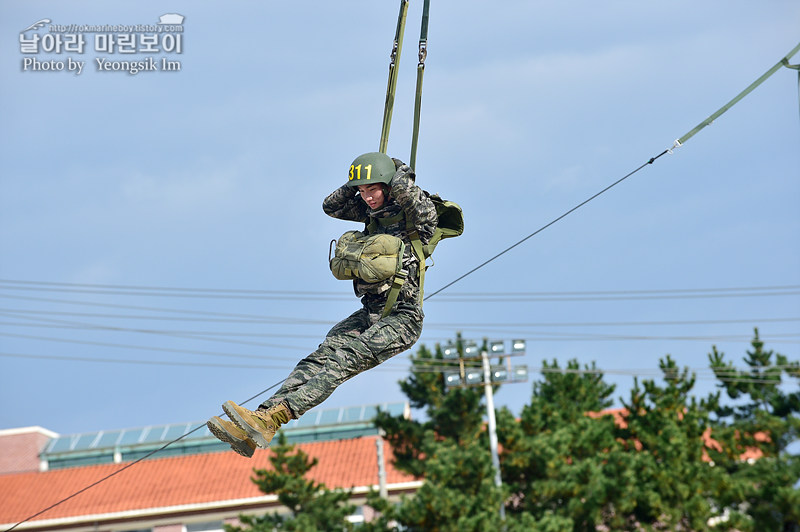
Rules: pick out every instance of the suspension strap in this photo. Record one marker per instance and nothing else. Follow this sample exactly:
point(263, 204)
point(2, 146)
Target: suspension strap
point(394, 62)
point(423, 53)
point(783, 62)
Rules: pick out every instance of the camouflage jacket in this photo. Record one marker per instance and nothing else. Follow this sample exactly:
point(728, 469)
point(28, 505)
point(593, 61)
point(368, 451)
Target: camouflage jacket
point(344, 204)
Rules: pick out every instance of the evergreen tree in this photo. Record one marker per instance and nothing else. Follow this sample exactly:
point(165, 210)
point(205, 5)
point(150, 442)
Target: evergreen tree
point(761, 422)
point(673, 482)
point(312, 507)
point(450, 450)
point(558, 462)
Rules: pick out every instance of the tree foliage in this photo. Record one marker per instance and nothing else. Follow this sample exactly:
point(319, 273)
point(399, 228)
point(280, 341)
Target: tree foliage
point(312, 507)
point(665, 461)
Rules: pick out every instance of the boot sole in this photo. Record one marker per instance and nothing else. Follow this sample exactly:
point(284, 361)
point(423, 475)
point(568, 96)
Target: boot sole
point(256, 435)
point(242, 447)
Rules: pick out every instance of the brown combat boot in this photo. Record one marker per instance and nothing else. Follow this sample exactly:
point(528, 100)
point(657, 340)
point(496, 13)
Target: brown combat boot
point(260, 425)
point(232, 434)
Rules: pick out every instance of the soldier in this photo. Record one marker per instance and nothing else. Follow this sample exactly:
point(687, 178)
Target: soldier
point(381, 193)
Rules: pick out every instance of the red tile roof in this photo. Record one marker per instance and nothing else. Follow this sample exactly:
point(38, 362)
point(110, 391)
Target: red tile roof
point(749, 453)
point(181, 480)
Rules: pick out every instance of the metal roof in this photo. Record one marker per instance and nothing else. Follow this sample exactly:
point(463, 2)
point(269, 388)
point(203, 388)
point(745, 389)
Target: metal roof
point(121, 444)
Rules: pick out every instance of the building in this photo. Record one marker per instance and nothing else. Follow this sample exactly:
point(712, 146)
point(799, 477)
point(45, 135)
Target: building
point(179, 478)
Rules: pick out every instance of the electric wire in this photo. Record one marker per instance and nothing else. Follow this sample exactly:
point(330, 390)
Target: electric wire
point(689, 293)
point(428, 325)
point(253, 317)
point(207, 333)
point(191, 336)
point(128, 466)
point(145, 348)
point(726, 375)
point(141, 362)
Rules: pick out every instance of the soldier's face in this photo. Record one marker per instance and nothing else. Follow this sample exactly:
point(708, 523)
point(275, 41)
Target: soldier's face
point(372, 195)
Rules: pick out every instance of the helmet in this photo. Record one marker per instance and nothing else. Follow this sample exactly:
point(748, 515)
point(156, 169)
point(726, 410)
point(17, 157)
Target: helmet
point(374, 167)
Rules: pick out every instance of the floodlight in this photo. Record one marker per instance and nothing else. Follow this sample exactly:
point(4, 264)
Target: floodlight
point(518, 346)
point(471, 350)
point(497, 347)
point(474, 376)
point(520, 373)
point(499, 374)
point(452, 379)
point(450, 351)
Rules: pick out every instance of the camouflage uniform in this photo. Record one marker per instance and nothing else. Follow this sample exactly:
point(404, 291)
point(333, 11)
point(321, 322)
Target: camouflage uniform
point(364, 340)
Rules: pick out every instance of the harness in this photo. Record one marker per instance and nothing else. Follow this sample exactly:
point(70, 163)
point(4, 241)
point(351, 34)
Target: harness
point(374, 256)
point(451, 224)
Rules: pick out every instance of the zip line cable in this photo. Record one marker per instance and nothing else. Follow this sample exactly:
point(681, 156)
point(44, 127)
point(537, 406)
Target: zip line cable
point(678, 143)
point(128, 466)
point(478, 267)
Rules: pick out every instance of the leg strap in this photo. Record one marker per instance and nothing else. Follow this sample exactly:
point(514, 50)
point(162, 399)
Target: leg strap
point(397, 283)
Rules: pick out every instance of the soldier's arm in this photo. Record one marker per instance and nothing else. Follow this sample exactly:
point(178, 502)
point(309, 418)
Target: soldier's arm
point(343, 204)
point(417, 206)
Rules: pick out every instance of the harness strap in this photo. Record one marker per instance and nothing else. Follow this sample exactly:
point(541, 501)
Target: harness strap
point(423, 53)
point(398, 281)
point(397, 47)
point(416, 246)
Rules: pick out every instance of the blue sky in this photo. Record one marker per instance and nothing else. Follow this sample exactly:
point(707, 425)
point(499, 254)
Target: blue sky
point(212, 178)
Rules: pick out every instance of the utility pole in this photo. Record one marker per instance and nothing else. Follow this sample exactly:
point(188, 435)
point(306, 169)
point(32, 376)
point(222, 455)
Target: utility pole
point(381, 467)
point(487, 388)
point(468, 376)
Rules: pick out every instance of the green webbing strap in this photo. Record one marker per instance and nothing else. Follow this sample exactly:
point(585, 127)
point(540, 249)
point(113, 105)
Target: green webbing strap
point(416, 246)
point(394, 61)
point(783, 62)
point(398, 281)
point(423, 53)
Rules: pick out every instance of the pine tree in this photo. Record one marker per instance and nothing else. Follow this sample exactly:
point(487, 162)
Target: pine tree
point(450, 450)
point(761, 423)
point(674, 485)
point(312, 507)
point(556, 459)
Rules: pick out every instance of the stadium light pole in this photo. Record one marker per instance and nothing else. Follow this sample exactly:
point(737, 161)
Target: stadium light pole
point(487, 390)
point(489, 376)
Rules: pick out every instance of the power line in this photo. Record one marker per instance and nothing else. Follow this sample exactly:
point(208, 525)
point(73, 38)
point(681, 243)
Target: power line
point(522, 297)
point(286, 320)
point(578, 336)
point(503, 328)
point(206, 333)
point(608, 323)
point(133, 290)
point(191, 336)
point(145, 348)
point(139, 362)
point(723, 376)
point(253, 317)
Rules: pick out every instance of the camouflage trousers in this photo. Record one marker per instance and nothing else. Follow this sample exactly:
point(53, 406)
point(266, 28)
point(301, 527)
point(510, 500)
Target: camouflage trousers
point(354, 345)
